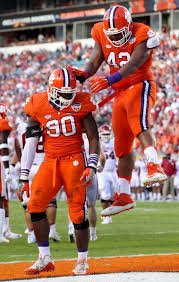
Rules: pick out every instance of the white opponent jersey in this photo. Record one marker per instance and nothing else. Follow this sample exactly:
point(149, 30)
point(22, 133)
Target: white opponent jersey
point(108, 149)
point(39, 156)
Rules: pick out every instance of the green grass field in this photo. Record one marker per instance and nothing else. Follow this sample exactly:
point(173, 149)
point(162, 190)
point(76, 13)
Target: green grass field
point(150, 228)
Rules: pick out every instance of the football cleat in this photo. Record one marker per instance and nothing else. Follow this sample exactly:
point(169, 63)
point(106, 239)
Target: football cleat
point(155, 174)
point(93, 237)
point(81, 267)
point(4, 239)
point(123, 202)
point(31, 237)
point(26, 231)
point(11, 235)
point(44, 264)
point(106, 220)
point(54, 235)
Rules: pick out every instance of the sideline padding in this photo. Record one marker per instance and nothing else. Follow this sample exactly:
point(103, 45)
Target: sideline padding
point(148, 263)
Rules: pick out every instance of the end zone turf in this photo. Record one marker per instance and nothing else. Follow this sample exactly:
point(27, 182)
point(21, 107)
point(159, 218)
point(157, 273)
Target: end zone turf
point(148, 263)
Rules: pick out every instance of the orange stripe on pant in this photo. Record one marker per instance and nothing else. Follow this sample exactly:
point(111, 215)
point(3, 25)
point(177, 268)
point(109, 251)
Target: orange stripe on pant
point(131, 114)
point(52, 174)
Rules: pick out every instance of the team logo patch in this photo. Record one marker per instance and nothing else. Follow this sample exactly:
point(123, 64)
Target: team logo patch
point(132, 39)
point(75, 163)
point(47, 116)
point(76, 107)
point(108, 46)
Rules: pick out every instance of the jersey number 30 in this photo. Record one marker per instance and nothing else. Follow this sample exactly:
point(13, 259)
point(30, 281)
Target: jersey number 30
point(68, 127)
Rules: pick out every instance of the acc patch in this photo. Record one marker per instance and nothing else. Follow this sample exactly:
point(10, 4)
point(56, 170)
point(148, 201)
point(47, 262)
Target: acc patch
point(76, 107)
point(108, 46)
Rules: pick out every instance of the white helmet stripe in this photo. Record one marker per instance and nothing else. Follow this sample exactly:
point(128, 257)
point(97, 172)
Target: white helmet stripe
point(111, 20)
point(66, 77)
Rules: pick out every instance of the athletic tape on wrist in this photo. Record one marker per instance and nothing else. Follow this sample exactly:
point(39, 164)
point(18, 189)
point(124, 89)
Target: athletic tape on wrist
point(93, 160)
point(4, 146)
point(5, 158)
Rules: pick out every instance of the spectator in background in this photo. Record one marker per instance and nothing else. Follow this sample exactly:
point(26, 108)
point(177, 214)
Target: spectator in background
point(169, 167)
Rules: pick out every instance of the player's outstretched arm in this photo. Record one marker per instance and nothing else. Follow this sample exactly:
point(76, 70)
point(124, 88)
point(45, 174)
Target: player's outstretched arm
point(139, 56)
point(91, 67)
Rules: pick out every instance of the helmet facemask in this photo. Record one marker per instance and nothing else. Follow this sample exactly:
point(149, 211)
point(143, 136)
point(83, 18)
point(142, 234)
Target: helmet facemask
point(125, 36)
point(61, 98)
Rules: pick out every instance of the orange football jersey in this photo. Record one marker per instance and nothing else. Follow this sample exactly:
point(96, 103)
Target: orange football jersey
point(61, 130)
point(5, 125)
point(116, 57)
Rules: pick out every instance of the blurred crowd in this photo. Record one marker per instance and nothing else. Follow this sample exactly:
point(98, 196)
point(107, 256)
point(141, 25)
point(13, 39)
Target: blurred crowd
point(27, 73)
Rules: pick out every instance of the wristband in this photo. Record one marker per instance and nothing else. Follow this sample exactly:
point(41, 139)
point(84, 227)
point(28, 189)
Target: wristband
point(93, 161)
point(4, 146)
point(115, 77)
point(5, 158)
point(88, 73)
point(24, 173)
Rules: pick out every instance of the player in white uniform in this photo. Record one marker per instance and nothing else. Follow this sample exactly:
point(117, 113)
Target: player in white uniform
point(107, 179)
point(51, 209)
point(176, 179)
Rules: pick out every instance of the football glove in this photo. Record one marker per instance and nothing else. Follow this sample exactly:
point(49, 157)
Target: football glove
point(98, 85)
point(23, 191)
point(81, 76)
point(8, 178)
point(103, 83)
point(87, 176)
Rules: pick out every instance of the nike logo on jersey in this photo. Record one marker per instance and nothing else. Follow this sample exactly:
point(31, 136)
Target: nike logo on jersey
point(108, 46)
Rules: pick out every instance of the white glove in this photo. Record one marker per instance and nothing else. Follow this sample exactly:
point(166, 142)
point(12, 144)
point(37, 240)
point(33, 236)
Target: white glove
point(8, 178)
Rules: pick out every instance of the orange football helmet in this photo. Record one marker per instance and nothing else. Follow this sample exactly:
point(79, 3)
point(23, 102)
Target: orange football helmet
point(62, 88)
point(105, 133)
point(3, 111)
point(117, 25)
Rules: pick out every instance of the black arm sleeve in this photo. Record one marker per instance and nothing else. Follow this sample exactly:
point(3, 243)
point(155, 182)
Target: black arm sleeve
point(33, 131)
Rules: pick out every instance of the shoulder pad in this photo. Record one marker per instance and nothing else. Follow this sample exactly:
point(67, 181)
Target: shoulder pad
point(153, 42)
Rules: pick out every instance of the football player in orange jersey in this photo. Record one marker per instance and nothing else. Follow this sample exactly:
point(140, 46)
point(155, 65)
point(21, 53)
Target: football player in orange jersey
point(60, 115)
point(127, 48)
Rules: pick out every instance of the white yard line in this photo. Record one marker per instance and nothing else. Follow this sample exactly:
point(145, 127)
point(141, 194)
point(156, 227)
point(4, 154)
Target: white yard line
point(117, 277)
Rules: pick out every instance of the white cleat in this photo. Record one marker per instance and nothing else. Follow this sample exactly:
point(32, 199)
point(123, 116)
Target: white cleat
point(31, 238)
point(3, 240)
point(44, 264)
point(93, 237)
point(26, 231)
point(54, 236)
point(107, 220)
point(81, 267)
point(11, 235)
